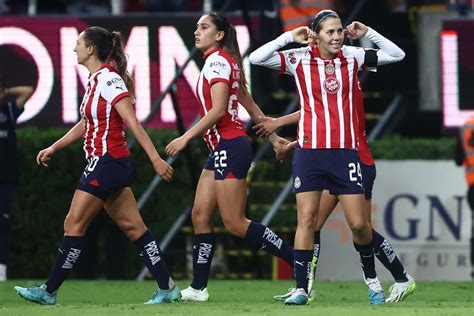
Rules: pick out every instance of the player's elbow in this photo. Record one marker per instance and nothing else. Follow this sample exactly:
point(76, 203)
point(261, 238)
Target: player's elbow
point(253, 58)
point(220, 112)
point(400, 56)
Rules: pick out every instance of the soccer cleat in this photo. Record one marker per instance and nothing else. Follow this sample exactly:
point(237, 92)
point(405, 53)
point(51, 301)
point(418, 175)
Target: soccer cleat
point(191, 294)
point(37, 294)
point(291, 290)
point(299, 297)
point(283, 297)
point(400, 290)
point(165, 296)
point(376, 294)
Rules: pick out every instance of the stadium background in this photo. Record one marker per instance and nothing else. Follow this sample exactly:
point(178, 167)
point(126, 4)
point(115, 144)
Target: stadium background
point(419, 194)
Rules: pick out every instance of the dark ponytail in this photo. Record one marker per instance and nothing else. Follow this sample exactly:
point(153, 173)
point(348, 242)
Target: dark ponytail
point(117, 55)
point(110, 50)
point(229, 44)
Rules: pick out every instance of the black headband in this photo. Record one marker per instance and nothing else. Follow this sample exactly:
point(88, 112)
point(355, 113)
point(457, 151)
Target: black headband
point(320, 16)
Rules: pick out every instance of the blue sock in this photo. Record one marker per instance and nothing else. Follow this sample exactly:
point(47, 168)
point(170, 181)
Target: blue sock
point(151, 253)
point(67, 256)
point(366, 255)
point(385, 253)
point(262, 237)
point(302, 268)
point(203, 251)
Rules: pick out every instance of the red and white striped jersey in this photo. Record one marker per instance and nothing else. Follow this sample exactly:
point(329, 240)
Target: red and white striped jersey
point(104, 131)
point(220, 67)
point(364, 151)
point(326, 91)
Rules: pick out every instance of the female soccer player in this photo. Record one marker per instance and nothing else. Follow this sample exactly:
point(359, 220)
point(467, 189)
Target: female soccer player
point(221, 86)
point(404, 283)
point(326, 155)
point(105, 181)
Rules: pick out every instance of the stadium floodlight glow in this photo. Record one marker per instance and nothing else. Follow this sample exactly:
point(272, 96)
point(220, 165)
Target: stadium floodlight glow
point(178, 55)
point(138, 51)
point(50, 47)
point(69, 69)
point(453, 116)
point(38, 52)
point(169, 57)
point(244, 43)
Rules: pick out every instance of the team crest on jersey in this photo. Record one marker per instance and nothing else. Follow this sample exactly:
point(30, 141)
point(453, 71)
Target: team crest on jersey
point(291, 58)
point(297, 183)
point(329, 69)
point(331, 85)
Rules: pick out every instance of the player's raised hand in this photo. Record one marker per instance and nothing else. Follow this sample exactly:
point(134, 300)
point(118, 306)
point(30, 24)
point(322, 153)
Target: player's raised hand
point(302, 35)
point(44, 156)
point(163, 169)
point(356, 30)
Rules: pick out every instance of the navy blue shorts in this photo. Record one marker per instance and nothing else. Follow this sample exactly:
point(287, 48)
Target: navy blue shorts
point(231, 159)
point(103, 176)
point(368, 179)
point(337, 170)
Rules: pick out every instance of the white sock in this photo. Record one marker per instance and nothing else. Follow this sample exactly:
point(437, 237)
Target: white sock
point(3, 272)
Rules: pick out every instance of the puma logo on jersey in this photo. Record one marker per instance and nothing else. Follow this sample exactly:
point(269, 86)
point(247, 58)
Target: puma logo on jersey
point(119, 87)
point(221, 171)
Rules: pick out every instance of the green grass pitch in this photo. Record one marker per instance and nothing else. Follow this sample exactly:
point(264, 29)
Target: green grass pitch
point(239, 297)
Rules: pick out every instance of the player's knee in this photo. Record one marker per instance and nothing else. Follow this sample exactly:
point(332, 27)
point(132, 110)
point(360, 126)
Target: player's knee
point(358, 226)
point(73, 227)
point(200, 219)
point(306, 220)
point(132, 230)
point(236, 228)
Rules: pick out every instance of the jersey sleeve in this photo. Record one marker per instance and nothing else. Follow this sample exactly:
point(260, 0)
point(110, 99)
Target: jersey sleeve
point(290, 59)
point(218, 70)
point(113, 88)
point(268, 55)
point(357, 52)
